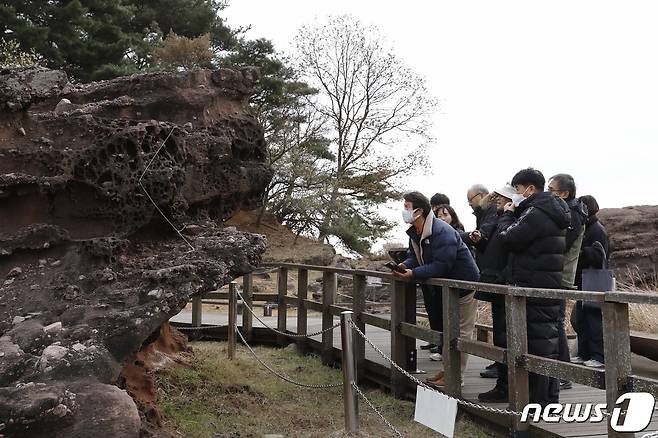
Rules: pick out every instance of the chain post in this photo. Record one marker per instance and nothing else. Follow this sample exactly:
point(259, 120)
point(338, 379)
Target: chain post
point(232, 318)
point(350, 400)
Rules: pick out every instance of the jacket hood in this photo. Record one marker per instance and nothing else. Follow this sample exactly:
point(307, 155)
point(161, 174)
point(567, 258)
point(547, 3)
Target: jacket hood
point(554, 207)
point(578, 207)
point(427, 232)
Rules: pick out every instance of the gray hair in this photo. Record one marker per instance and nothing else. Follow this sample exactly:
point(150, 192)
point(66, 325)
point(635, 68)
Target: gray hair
point(566, 183)
point(478, 188)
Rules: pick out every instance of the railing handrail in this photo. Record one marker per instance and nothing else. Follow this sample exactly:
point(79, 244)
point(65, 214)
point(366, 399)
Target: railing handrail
point(617, 378)
point(616, 296)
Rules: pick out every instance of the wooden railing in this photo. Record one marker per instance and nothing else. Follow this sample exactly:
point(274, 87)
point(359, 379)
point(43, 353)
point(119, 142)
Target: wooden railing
point(616, 379)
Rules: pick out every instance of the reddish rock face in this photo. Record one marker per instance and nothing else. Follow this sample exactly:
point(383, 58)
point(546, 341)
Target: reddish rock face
point(94, 252)
point(633, 233)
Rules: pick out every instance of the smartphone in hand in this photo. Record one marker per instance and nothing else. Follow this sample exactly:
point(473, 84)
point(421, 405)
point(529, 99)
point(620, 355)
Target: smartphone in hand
point(393, 267)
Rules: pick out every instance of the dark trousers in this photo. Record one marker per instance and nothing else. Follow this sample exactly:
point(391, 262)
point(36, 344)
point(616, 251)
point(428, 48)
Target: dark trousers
point(563, 343)
point(500, 337)
point(433, 299)
point(543, 390)
point(589, 324)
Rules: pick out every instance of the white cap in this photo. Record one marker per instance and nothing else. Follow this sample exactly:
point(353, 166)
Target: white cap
point(506, 191)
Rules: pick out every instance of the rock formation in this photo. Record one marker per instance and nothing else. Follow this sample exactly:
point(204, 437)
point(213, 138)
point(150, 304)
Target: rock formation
point(633, 233)
point(90, 268)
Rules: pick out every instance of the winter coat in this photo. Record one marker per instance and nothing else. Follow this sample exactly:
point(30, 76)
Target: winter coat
point(439, 253)
point(486, 220)
point(493, 260)
point(573, 239)
point(590, 257)
point(536, 244)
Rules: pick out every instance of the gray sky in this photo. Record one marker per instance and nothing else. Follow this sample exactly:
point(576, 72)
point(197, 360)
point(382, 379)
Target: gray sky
point(562, 86)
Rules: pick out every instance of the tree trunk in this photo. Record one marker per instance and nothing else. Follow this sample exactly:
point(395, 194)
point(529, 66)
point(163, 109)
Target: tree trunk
point(261, 213)
point(326, 221)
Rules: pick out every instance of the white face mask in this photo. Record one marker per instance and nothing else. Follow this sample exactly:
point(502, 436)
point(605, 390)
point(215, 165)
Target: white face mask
point(408, 216)
point(517, 198)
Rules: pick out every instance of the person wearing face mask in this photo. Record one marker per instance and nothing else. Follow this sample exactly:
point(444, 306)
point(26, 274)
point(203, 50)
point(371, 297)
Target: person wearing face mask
point(536, 243)
point(564, 187)
point(437, 251)
point(492, 264)
point(437, 200)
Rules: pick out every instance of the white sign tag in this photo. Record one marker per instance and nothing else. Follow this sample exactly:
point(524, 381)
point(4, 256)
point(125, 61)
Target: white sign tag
point(436, 411)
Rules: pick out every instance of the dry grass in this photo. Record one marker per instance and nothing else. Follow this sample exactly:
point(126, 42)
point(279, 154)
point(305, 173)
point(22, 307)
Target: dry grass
point(217, 397)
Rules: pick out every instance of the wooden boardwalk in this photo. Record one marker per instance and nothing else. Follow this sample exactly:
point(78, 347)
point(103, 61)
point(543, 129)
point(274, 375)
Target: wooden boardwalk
point(473, 383)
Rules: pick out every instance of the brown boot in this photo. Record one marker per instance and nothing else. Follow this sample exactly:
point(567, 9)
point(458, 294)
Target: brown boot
point(437, 381)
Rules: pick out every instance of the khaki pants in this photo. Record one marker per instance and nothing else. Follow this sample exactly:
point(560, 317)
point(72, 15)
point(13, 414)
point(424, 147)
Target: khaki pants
point(467, 311)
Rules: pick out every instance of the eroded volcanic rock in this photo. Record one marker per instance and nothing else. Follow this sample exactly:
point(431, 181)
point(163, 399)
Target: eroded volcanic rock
point(633, 233)
point(89, 267)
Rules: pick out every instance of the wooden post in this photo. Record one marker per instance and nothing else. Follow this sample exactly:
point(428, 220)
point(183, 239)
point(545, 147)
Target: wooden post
point(617, 353)
point(232, 318)
point(302, 294)
point(350, 397)
point(517, 346)
point(197, 310)
point(247, 295)
point(282, 310)
point(358, 307)
point(403, 348)
point(329, 287)
point(451, 355)
point(482, 335)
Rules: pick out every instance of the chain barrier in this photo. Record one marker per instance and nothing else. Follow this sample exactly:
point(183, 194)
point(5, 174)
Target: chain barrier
point(426, 386)
point(281, 375)
point(376, 411)
point(290, 335)
point(204, 327)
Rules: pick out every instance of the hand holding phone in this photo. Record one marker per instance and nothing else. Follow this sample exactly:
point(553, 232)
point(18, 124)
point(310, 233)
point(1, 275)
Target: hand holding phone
point(393, 267)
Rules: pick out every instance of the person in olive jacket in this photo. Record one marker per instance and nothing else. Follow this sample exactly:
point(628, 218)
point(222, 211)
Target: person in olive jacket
point(536, 244)
point(564, 186)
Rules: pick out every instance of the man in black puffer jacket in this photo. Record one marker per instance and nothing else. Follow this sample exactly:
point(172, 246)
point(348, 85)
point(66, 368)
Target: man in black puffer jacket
point(536, 244)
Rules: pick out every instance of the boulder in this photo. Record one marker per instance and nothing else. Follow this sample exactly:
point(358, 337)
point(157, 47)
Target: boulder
point(96, 182)
point(633, 233)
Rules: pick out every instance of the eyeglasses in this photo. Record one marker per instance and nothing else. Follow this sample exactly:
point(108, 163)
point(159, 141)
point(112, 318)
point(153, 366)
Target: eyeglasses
point(473, 197)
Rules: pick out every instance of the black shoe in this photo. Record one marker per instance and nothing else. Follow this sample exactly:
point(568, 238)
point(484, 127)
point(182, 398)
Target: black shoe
point(427, 346)
point(496, 395)
point(436, 349)
point(565, 384)
point(491, 365)
point(489, 373)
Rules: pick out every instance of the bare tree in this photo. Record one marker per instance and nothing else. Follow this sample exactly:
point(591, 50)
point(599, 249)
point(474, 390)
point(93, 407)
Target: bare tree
point(378, 112)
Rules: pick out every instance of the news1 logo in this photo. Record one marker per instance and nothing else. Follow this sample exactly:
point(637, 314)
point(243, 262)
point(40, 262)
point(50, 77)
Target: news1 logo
point(637, 414)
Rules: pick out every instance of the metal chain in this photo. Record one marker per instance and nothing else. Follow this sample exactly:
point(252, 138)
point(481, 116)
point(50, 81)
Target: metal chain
point(204, 327)
point(291, 335)
point(281, 375)
point(424, 385)
point(374, 409)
